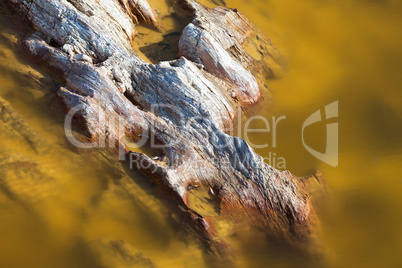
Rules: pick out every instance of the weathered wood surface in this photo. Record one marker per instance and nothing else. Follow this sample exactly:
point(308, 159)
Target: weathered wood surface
point(185, 104)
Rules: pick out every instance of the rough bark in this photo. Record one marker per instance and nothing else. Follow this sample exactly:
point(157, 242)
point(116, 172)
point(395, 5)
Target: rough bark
point(185, 104)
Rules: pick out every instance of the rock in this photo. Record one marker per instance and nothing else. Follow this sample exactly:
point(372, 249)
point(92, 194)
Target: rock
point(141, 11)
point(83, 57)
point(220, 40)
point(182, 108)
point(199, 46)
point(211, 191)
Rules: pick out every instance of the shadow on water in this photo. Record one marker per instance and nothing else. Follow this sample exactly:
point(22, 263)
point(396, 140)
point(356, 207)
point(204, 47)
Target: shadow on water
point(164, 50)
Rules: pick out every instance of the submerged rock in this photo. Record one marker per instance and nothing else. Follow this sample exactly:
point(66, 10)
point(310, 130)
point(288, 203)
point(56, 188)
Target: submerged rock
point(10, 119)
point(118, 254)
point(183, 108)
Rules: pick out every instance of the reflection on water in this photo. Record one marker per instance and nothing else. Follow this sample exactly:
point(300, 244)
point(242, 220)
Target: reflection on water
point(345, 50)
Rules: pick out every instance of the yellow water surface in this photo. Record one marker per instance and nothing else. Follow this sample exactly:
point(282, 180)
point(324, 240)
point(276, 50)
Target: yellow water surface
point(350, 52)
point(58, 206)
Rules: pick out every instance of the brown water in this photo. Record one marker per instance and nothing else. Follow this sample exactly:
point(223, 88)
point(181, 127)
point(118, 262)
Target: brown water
point(345, 50)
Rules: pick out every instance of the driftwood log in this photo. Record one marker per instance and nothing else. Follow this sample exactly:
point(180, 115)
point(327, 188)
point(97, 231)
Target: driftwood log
point(183, 105)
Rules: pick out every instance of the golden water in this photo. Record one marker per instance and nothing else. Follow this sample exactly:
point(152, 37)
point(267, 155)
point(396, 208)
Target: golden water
point(348, 51)
point(337, 50)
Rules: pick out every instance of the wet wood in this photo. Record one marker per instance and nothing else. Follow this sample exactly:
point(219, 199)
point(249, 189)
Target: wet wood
point(183, 105)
